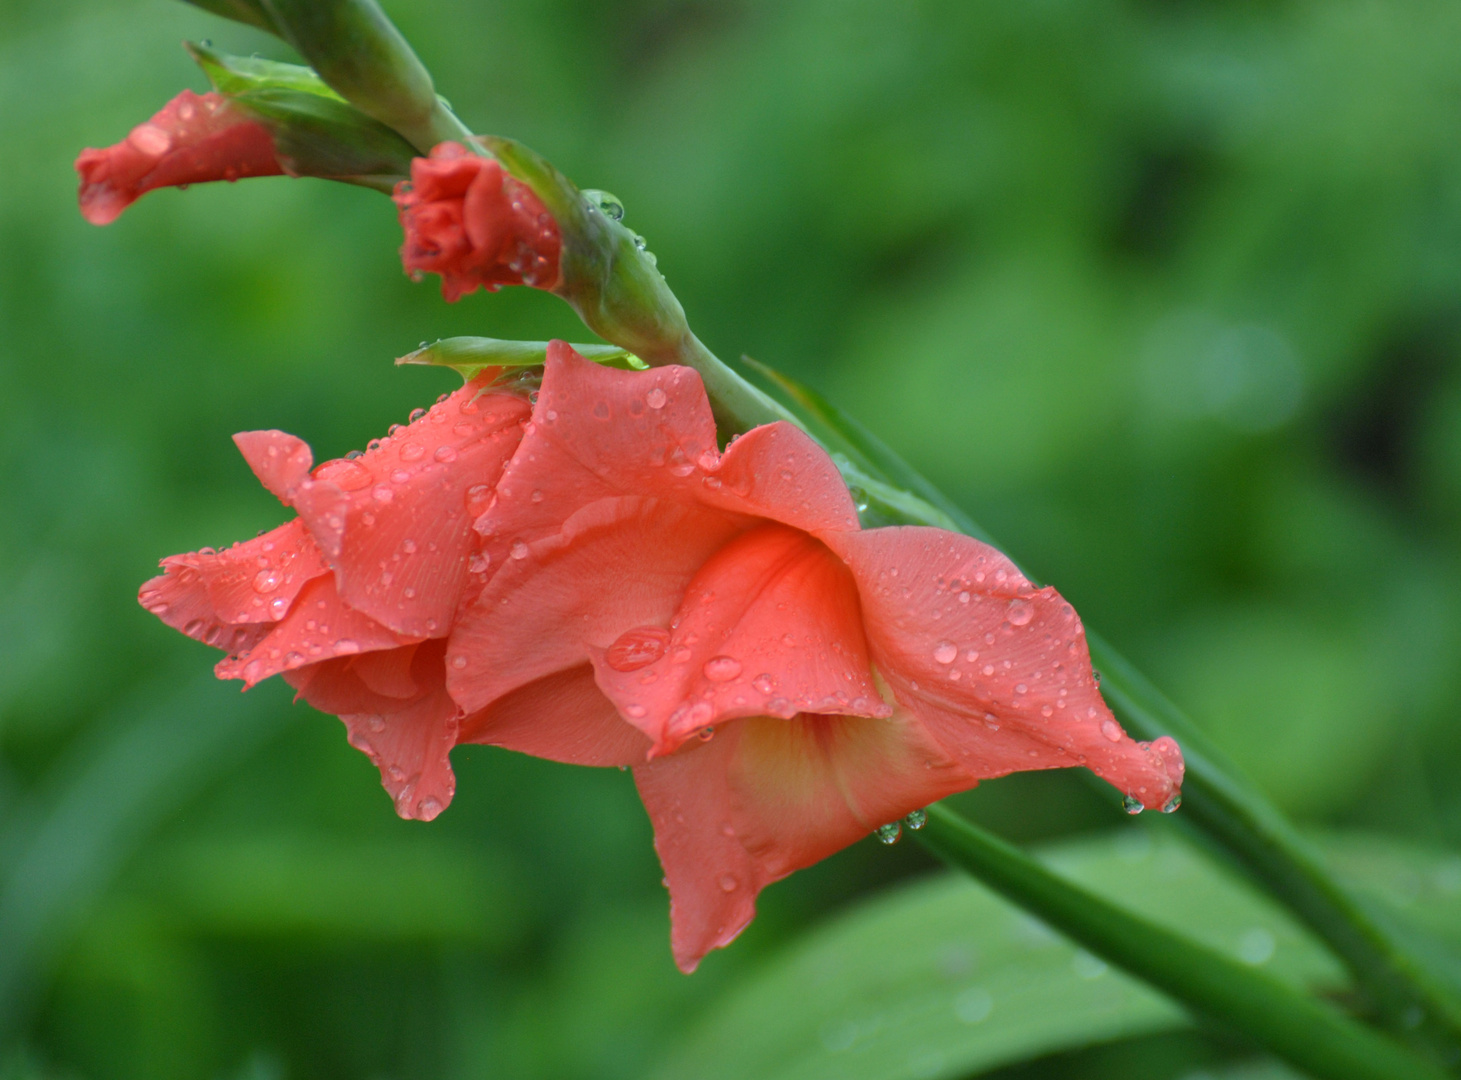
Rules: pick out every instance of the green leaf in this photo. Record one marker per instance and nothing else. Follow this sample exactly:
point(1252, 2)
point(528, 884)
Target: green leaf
point(941, 978)
point(249, 12)
point(469, 355)
point(233, 75)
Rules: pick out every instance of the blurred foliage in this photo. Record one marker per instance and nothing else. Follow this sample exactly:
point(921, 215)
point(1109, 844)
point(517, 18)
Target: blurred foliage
point(1168, 294)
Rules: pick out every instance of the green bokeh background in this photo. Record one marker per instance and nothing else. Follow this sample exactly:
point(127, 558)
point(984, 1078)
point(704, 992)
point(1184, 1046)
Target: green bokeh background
point(1167, 294)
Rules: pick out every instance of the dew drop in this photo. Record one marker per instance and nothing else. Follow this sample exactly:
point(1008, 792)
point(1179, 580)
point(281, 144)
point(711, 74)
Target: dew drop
point(346, 646)
point(519, 550)
point(1020, 612)
point(635, 711)
point(445, 454)
point(416, 414)
point(1111, 729)
point(266, 581)
point(383, 494)
point(764, 682)
point(278, 607)
point(727, 883)
point(637, 648)
point(412, 451)
point(376, 724)
point(459, 661)
point(889, 834)
point(1172, 805)
point(946, 653)
point(479, 562)
point(1131, 804)
point(656, 398)
point(916, 820)
point(150, 139)
point(428, 808)
point(722, 668)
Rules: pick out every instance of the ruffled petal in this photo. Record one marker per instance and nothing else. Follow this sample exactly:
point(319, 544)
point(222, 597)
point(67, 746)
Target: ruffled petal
point(193, 139)
point(770, 625)
point(411, 749)
point(562, 717)
point(768, 796)
point(320, 625)
point(395, 523)
point(230, 598)
point(598, 433)
point(380, 681)
point(998, 670)
point(280, 461)
point(617, 564)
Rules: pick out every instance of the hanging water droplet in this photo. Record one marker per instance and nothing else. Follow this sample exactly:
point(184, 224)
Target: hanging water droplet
point(354, 454)
point(916, 820)
point(611, 206)
point(1096, 675)
point(889, 833)
point(859, 498)
point(1132, 805)
point(428, 808)
point(1172, 805)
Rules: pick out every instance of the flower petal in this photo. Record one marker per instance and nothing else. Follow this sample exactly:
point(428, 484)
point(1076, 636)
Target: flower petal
point(379, 681)
point(395, 523)
point(320, 625)
point(616, 564)
point(998, 669)
point(769, 626)
point(194, 138)
point(598, 433)
point(212, 595)
point(411, 749)
point(280, 461)
point(768, 796)
point(562, 717)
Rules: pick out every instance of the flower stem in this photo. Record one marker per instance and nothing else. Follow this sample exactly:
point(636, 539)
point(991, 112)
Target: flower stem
point(1304, 1031)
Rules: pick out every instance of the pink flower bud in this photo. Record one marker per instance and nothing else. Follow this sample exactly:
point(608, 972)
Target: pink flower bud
point(194, 139)
point(466, 219)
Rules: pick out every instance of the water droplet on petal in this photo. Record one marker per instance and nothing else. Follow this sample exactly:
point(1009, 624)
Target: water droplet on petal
point(412, 452)
point(1020, 612)
point(764, 682)
point(637, 648)
point(278, 607)
point(889, 834)
point(266, 581)
point(1132, 805)
point(478, 563)
point(376, 724)
point(916, 820)
point(722, 668)
point(428, 808)
point(445, 454)
point(416, 414)
point(1111, 729)
point(636, 711)
point(1172, 805)
point(345, 646)
point(150, 139)
point(656, 398)
point(383, 494)
point(519, 550)
point(727, 883)
point(946, 653)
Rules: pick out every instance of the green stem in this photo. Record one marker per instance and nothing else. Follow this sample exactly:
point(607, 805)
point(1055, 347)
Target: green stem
point(1304, 1031)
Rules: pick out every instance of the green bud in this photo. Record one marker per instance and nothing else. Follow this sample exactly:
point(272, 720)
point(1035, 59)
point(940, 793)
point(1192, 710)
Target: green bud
point(244, 11)
point(358, 52)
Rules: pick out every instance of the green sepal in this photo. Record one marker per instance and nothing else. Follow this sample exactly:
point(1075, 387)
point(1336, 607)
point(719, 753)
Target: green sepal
point(604, 273)
point(316, 132)
point(469, 355)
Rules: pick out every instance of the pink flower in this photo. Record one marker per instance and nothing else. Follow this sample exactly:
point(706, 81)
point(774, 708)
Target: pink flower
point(193, 139)
point(600, 584)
point(796, 681)
point(352, 600)
point(466, 219)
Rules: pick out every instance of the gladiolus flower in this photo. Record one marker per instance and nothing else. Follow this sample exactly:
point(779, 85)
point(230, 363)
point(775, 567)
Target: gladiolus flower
point(352, 600)
point(797, 681)
point(193, 139)
point(600, 584)
point(466, 219)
